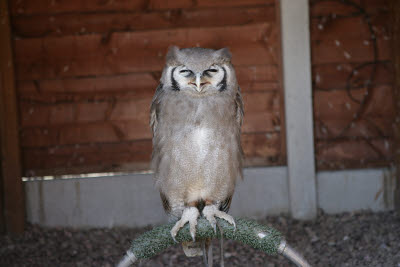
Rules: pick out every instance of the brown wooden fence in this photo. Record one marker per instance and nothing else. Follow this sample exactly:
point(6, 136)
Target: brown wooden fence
point(353, 83)
point(86, 72)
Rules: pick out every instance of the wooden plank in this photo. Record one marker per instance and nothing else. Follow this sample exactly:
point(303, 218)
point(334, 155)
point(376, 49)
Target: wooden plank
point(98, 132)
point(341, 8)
point(335, 76)
point(84, 23)
point(26, 7)
point(376, 6)
point(38, 97)
point(370, 127)
point(128, 86)
point(349, 28)
point(337, 104)
point(64, 118)
point(40, 58)
point(132, 83)
point(281, 92)
point(348, 51)
point(77, 123)
point(116, 108)
point(259, 73)
point(83, 112)
point(353, 153)
point(325, 8)
point(261, 145)
point(298, 108)
point(38, 114)
point(260, 149)
point(120, 131)
point(2, 212)
point(13, 194)
point(87, 158)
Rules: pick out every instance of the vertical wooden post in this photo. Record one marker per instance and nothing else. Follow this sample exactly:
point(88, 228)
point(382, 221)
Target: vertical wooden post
point(13, 194)
point(295, 30)
point(2, 219)
point(395, 22)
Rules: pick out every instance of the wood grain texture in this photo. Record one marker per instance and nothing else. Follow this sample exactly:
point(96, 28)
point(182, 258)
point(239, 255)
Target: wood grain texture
point(259, 148)
point(94, 54)
point(86, 73)
point(347, 153)
point(338, 104)
point(127, 120)
point(11, 178)
point(123, 21)
point(353, 91)
point(337, 75)
point(26, 7)
point(96, 88)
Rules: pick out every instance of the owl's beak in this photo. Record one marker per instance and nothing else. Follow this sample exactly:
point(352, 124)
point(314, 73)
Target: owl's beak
point(198, 82)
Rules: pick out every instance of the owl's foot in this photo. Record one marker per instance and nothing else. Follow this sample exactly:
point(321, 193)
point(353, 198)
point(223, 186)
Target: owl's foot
point(211, 211)
point(189, 215)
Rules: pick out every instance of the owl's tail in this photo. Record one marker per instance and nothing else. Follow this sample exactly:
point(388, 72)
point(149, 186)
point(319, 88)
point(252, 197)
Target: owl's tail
point(194, 249)
point(199, 248)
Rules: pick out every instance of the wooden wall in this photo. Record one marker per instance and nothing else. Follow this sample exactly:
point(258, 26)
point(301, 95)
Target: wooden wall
point(86, 72)
point(352, 83)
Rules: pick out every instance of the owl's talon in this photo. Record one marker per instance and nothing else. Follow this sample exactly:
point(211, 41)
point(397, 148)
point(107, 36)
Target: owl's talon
point(215, 228)
point(211, 211)
point(189, 215)
point(193, 235)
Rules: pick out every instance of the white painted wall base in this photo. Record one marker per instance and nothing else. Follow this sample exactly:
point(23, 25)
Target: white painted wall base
point(131, 200)
point(352, 190)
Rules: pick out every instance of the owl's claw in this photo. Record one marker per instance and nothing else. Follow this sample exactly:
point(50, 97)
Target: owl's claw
point(189, 215)
point(211, 211)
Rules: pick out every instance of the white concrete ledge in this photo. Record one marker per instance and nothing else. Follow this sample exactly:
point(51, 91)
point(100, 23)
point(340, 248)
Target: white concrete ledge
point(352, 190)
point(131, 200)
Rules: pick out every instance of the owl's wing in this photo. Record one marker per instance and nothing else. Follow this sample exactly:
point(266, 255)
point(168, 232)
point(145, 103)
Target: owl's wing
point(165, 203)
point(239, 107)
point(226, 204)
point(154, 109)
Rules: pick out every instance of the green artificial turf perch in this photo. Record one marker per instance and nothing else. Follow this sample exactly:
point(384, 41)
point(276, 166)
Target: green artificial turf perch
point(248, 232)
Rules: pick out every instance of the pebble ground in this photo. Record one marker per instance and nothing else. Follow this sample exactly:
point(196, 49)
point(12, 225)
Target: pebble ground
point(350, 239)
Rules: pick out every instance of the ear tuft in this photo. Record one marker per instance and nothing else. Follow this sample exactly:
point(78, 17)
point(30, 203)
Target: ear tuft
point(172, 55)
point(224, 54)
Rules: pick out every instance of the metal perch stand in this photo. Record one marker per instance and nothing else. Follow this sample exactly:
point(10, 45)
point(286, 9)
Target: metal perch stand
point(247, 231)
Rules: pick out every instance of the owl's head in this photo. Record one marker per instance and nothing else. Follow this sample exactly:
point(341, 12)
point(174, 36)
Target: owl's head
point(199, 71)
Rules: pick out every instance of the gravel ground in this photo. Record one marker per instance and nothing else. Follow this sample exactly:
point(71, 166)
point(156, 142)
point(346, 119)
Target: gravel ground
point(351, 239)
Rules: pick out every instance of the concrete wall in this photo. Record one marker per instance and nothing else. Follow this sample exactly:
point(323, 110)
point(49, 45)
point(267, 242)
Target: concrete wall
point(131, 200)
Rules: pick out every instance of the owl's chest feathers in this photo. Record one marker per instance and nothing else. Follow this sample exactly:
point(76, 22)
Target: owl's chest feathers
point(203, 125)
point(198, 148)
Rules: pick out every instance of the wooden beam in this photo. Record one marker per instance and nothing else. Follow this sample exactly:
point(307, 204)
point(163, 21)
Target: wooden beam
point(2, 219)
point(395, 16)
point(298, 108)
point(13, 194)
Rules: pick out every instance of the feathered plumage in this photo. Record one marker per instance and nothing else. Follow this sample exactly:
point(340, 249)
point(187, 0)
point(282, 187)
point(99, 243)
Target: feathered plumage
point(196, 115)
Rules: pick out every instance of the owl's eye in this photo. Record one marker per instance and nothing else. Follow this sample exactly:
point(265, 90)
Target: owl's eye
point(186, 73)
point(210, 71)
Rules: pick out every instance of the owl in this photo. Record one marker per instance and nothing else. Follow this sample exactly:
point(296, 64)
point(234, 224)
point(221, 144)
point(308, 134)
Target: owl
point(196, 115)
